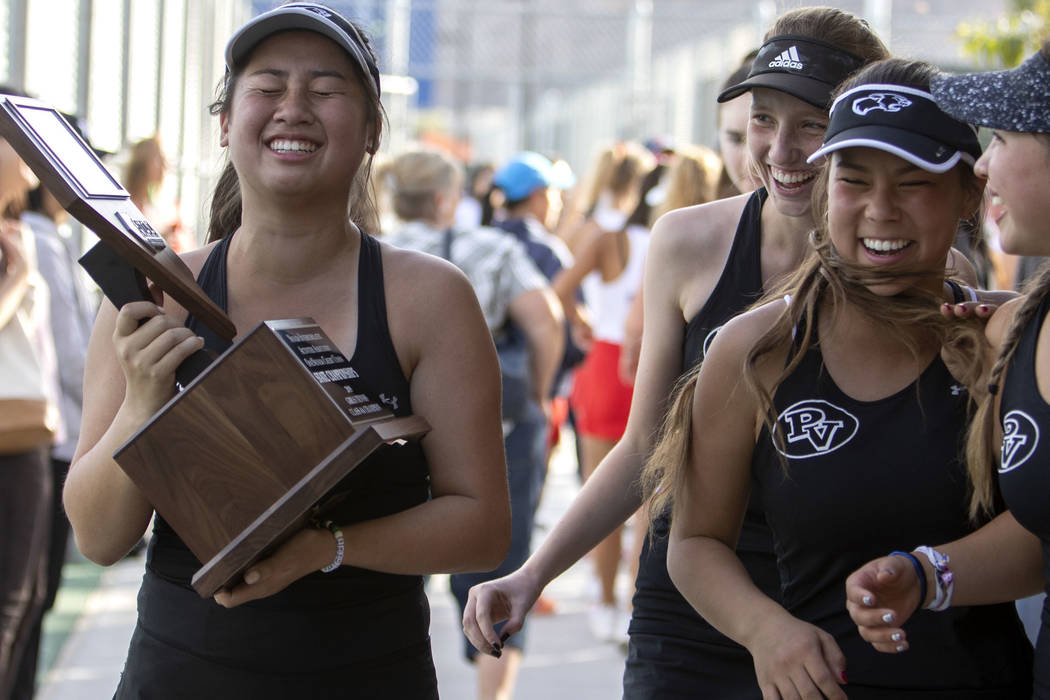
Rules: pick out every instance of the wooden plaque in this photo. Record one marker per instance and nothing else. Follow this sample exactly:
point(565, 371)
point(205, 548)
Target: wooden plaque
point(70, 170)
point(237, 461)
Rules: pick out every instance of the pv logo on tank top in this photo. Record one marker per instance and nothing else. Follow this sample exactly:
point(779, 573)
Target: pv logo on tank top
point(814, 428)
point(1020, 439)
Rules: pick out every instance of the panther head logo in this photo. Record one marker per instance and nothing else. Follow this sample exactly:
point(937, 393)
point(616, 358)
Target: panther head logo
point(880, 101)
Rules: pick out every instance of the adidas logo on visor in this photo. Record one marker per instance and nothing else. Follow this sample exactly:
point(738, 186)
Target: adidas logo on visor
point(881, 101)
point(788, 59)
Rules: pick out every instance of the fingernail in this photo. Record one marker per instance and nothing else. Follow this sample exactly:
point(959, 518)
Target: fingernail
point(896, 636)
point(901, 647)
point(504, 637)
point(251, 577)
point(983, 307)
point(496, 651)
point(888, 617)
point(867, 600)
point(842, 675)
point(961, 307)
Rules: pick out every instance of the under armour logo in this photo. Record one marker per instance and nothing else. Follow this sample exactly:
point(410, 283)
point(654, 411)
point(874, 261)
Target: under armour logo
point(390, 401)
point(1020, 439)
point(815, 427)
point(880, 101)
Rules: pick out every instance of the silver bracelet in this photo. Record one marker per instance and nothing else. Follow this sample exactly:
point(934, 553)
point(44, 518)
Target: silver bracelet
point(338, 561)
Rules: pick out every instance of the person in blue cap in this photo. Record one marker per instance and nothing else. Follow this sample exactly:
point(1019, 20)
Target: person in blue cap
point(529, 182)
point(840, 406)
point(339, 609)
point(1008, 451)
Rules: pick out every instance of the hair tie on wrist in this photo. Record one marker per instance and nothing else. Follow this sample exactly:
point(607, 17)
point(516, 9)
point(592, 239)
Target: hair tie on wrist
point(338, 534)
point(993, 388)
point(919, 572)
point(943, 577)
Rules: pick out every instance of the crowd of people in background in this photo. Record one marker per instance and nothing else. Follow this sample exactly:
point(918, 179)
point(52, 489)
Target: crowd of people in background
point(810, 284)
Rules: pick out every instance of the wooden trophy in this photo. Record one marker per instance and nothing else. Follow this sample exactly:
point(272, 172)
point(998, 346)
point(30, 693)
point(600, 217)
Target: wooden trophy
point(240, 458)
point(237, 461)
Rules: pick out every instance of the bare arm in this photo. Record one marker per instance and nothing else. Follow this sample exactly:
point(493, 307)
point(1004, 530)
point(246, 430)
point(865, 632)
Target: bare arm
point(1000, 562)
point(539, 316)
point(632, 340)
point(129, 375)
point(455, 386)
point(586, 259)
point(612, 493)
point(789, 655)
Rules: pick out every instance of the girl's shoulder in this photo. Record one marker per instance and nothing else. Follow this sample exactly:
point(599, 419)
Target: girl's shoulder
point(754, 322)
point(696, 240)
point(409, 267)
point(196, 257)
point(1001, 320)
point(420, 286)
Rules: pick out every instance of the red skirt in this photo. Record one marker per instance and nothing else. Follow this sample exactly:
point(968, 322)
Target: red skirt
point(600, 401)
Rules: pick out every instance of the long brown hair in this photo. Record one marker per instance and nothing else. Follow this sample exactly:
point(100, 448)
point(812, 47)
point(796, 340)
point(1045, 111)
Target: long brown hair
point(225, 213)
point(824, 278)
point(982, 449)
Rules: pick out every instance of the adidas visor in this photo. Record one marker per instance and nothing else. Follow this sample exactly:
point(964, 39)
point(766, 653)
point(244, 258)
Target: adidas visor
point(306, 16)
point(901, 120)
point(801, 66)
point(1009, 100)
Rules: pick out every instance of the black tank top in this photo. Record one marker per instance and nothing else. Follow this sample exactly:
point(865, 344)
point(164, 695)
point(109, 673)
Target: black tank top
point(864, 478)
point(739, 286)
point(327, 624)
point(659, 609)
point(1024, 472)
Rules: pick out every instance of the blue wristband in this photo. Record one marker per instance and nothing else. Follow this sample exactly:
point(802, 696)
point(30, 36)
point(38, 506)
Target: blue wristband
point(918, 572)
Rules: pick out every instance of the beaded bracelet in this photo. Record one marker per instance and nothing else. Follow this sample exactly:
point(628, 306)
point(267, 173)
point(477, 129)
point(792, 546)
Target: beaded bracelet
point(919, 571)
point(943, 577)
point(338, 561)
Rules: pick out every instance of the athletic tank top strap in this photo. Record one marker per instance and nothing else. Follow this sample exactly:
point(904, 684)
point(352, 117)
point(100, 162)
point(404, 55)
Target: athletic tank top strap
point(375, 358)
point(739, 286)
point(212, 279)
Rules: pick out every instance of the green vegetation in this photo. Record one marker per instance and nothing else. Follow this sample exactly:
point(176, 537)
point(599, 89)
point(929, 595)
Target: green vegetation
point(1010, 39)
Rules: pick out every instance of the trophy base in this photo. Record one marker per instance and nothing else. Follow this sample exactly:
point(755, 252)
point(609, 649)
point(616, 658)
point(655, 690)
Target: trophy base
point(291, 512)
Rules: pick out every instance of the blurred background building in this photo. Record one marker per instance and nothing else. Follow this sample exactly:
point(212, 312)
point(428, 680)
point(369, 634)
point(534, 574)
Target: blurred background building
point(483, 77)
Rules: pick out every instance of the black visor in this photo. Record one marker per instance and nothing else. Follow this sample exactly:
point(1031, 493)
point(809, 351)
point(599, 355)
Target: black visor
point(311, 17)
point(901, 120)
point(801, 66)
